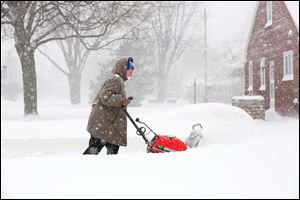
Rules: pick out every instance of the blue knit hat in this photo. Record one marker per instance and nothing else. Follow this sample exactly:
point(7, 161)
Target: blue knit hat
point(130, 64)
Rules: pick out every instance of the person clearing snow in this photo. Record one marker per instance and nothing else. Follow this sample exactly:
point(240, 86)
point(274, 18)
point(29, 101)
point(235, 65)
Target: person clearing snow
point(107, 122)
point(108, 125)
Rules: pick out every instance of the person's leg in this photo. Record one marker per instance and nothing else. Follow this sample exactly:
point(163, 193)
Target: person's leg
point(95, 146)
point(112, 149)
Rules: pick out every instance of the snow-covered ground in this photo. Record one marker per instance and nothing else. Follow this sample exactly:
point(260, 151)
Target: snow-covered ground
point(238, 157)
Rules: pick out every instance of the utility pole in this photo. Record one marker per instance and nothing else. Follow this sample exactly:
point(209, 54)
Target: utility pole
point(205, 59)
point(195, 91)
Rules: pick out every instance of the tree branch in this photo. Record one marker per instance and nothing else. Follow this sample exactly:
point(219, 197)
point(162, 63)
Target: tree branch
point(54, 63)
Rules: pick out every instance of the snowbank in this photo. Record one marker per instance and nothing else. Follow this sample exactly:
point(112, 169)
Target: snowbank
point(71, 121)
point(238, 157)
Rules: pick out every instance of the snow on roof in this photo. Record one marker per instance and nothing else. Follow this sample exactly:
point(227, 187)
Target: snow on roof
point(251, 26)
point(293, 7)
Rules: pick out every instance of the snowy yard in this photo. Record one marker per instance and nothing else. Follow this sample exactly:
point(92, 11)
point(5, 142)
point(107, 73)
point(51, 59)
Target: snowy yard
point(238, 157)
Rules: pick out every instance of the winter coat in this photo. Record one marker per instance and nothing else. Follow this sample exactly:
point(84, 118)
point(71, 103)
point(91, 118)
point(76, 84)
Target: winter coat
point(107, 120)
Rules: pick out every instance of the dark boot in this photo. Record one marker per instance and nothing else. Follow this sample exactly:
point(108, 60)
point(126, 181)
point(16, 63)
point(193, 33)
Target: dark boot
point(112, 149)
point(95, 146)
point(91, 150)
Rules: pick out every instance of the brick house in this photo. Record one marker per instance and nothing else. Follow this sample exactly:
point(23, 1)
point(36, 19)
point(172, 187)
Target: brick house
point(272, 57)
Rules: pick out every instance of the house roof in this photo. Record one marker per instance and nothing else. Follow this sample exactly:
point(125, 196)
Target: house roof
point(251, 27)
point(293, 8)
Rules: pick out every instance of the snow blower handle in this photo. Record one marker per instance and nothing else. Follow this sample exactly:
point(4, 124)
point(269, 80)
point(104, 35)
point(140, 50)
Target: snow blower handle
point(139, 130)
point(197, 125)
point(138, 120)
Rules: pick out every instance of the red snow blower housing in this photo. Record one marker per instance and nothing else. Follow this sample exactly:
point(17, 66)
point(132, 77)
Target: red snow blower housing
point(164, 143)
point(159, 143)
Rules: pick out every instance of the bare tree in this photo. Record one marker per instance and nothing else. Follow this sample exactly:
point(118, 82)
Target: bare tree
point(170, 22)
point(75, 56)
point(76, 53)
point(38, 22)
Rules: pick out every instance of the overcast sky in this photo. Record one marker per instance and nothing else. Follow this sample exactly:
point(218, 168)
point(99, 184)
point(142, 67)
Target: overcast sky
point(228, 21)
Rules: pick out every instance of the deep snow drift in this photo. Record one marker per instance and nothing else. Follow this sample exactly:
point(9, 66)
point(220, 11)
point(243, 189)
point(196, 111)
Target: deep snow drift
point(238, 157)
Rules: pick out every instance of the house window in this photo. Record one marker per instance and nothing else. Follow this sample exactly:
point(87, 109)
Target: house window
point(250, 76)
point(288, 66)
point(262, 74)
point(269, 13)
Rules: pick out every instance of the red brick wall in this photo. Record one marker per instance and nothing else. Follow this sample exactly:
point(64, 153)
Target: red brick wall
point(270, 42)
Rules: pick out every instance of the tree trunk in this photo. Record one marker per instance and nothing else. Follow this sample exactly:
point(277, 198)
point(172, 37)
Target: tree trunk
point(26, 56)
point(162, 81)
point(162, 89)
point(75, 82)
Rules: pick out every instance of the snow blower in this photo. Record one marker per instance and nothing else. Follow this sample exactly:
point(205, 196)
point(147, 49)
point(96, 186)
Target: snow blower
point(159, 143)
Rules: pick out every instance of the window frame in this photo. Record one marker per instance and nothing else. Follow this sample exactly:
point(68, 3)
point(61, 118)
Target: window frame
point(262, 73)
point(250, 76)
point(288, 65)
point(269, 13)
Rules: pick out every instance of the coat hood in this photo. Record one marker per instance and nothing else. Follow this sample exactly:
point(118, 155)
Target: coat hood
point(120, 68)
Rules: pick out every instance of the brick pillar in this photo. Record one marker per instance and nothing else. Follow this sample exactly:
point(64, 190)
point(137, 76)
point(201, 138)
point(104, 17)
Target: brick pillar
point(253, 105)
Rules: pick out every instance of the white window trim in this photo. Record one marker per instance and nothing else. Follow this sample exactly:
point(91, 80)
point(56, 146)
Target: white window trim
point(272, 65)
point(262, 87)
point(262, 75)
point(250, 75)
point(250, 88)
point(269, 10)
point(288, 77)
point(272, 77)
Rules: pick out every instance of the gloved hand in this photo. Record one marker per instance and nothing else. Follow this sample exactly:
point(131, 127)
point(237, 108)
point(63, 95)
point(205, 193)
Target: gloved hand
point(125, 102)
point(130, 98)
